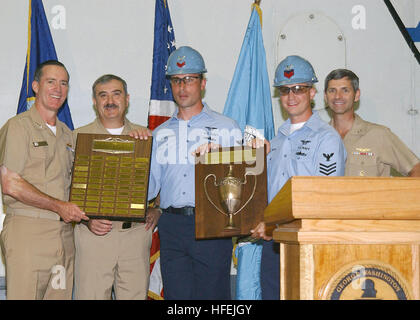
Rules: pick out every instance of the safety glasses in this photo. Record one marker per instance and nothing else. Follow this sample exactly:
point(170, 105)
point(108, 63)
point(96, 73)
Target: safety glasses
point(284, 91)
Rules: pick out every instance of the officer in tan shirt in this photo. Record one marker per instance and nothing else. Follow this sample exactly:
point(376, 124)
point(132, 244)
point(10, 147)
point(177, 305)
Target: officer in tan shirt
point(113, 254)
point(372, 149)
point(36, 155)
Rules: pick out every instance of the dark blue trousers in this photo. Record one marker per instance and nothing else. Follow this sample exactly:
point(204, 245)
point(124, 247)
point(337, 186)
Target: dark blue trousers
point(270, 271)
point(192, 269)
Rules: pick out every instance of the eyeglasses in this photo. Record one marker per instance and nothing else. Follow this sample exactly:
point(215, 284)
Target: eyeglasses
point(186, 80)
point(284, 91)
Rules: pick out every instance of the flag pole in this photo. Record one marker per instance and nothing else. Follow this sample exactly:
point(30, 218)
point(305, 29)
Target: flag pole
point(256, 5)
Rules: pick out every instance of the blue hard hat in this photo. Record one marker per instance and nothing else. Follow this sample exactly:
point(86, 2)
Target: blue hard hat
point(185, 60)
point(294, 69)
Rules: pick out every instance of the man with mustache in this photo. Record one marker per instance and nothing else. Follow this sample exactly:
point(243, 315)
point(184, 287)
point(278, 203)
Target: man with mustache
point(113, 254)
point(372, 149)
point(36, 157)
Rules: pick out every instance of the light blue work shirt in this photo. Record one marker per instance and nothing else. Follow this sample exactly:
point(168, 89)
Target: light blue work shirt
point(172, 170)
point(316, 149)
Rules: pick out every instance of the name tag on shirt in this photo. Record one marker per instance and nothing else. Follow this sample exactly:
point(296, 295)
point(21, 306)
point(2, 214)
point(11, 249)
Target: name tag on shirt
point(40, 143)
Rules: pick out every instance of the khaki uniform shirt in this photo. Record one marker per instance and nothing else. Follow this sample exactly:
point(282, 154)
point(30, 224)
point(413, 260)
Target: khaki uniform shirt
point(372, 150)
point(29, 148)
point(97, 127)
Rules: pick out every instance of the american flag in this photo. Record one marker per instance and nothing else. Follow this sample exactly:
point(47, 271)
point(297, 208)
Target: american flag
point(161, 104)
point(161, 109)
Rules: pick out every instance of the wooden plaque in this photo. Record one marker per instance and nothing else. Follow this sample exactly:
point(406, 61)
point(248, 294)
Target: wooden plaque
point(210, 170)
point(110, 176)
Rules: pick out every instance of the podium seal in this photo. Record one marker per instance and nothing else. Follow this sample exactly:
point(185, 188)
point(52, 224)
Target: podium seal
point(367, 280)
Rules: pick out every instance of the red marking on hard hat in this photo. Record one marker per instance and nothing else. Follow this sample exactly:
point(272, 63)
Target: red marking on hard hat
point(180, 65)
point(289, 73)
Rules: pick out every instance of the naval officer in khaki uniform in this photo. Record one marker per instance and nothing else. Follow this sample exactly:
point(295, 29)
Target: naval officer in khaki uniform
point(372, 149)
point(112, 254)
point(36, 155)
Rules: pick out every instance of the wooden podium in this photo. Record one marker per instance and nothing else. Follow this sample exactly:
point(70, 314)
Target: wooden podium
point(345, 238)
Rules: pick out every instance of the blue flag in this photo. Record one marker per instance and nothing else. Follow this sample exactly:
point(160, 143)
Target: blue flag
point(248, 284)
point(161, 101)
point(249, 103)
point(414, 33)
point(249, 97)
point(40, 48)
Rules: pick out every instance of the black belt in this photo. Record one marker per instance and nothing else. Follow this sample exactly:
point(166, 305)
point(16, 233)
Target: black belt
point(185, 211)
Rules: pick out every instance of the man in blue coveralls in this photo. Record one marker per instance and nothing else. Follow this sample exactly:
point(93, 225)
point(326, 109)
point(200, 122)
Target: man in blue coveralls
point(304, 146)
point(191, 269)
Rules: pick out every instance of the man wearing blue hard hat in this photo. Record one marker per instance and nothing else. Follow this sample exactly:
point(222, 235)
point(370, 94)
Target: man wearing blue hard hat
point(304, 146)
point(191, 269)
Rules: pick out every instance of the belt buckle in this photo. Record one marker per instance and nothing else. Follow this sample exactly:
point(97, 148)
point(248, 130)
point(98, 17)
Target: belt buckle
point(188, 211)
point(126, 225)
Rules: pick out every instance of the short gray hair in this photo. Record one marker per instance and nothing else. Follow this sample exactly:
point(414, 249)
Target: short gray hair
point(338, 74)
point(107, 78)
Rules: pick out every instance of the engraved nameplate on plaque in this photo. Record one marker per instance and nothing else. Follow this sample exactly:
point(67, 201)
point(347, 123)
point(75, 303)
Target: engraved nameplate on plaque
point(110, 176)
